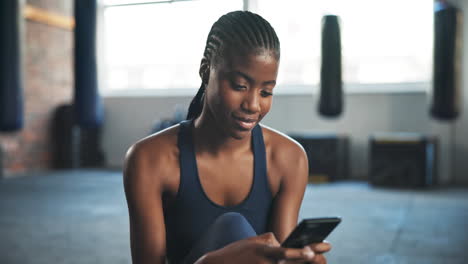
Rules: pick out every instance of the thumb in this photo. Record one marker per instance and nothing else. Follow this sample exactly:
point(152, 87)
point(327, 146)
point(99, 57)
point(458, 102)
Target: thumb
point(280, 253)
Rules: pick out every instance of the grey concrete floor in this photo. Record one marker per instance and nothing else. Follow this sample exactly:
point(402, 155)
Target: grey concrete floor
point(81, 217)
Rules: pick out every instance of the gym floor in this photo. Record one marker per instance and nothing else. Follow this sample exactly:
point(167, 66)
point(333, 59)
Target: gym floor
point(81, 217)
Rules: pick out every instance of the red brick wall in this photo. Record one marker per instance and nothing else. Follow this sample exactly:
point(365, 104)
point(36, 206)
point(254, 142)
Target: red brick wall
point(47, 71)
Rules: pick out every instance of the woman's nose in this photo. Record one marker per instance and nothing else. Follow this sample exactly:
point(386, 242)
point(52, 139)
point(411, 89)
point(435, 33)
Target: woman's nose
point(251, 102)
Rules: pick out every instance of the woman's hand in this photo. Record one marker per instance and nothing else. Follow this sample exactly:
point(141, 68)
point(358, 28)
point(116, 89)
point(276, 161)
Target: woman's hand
point(319, 249)
point(260, 249)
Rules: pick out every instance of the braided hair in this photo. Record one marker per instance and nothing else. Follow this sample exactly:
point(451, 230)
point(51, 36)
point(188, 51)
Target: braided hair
point(239, 29)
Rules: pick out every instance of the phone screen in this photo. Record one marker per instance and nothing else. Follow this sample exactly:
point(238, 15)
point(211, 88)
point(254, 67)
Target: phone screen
point(311, 230)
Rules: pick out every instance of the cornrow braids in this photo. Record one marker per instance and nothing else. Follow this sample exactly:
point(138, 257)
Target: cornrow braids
point(239, 29)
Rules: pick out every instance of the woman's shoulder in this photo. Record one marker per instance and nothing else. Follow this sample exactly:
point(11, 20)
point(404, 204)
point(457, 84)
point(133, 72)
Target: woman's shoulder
point(156, 154)
point(157, 145)
point(282, 149)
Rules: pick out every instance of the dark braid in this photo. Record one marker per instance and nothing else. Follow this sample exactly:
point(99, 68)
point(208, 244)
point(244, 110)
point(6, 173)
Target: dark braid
point(243, 29)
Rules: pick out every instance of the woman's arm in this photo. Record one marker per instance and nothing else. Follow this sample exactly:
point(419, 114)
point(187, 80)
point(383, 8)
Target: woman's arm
point(292, 165)
point(294, 169)
point(143, 190)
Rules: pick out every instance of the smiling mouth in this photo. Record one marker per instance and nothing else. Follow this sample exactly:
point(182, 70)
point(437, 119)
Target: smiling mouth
point(245, 123)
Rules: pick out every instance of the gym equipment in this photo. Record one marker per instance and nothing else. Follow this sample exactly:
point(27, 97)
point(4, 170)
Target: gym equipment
point(11, 91)
point(1, 162)
point(74, 146)
point(64, 138)
point(88, 106)
point(331, 91)
point(328, 155)
point(403, 160)
point(445, 103)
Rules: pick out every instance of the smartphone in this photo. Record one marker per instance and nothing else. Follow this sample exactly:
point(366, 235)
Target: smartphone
point(311, 230)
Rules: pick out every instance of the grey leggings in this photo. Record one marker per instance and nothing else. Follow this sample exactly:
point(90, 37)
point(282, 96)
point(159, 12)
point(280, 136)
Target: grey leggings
point(226, 229)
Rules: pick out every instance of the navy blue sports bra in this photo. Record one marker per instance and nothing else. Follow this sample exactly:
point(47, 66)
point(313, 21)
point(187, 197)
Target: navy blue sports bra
point(193, 212)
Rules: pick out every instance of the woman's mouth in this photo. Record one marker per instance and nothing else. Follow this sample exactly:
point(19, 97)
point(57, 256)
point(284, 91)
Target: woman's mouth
point(245, 123)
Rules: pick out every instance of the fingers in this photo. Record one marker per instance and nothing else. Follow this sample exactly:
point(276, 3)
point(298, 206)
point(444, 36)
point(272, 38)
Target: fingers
point(319, 259)
point(267, 238)
point(298, 253)
point(320, 248)
point(292, 254)
point(270, 248)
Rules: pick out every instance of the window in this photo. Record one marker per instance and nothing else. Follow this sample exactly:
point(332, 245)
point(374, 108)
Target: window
point(159, 45)
point(382, 41)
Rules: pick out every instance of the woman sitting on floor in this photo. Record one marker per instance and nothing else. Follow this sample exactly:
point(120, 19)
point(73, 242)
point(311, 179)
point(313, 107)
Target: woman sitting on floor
point(219, 187)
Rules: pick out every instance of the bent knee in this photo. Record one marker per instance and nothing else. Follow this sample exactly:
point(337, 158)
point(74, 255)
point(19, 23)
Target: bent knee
point(231, 219)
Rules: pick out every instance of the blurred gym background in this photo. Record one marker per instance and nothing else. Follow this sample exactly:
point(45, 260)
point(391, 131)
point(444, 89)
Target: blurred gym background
point(375, 91)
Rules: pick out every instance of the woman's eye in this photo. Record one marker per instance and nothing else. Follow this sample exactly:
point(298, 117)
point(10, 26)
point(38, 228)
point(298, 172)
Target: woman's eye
point(238, 87)
point(266, 94)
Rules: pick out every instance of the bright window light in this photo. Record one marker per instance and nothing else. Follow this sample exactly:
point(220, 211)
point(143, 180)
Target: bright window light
point(158, 46)
point(382, 41)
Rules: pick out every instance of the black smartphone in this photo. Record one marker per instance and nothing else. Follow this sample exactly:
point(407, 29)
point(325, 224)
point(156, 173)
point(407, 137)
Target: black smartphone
point(311, 230)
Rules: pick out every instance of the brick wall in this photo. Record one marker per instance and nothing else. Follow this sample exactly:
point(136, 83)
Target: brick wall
point(47, 70)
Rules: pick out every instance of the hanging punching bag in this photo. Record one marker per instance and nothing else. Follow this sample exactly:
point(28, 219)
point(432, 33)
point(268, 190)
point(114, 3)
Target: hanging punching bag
point(87, 103)
point(445, 102)
point(11, 95)
point(331, 91)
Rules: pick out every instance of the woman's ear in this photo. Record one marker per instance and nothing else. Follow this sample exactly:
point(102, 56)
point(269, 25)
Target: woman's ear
point(204, 70)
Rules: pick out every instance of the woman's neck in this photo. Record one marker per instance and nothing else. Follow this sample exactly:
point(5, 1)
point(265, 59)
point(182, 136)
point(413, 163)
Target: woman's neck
point(210, 137)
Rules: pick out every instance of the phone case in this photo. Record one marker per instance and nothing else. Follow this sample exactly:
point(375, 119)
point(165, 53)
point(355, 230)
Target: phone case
point(311, 230)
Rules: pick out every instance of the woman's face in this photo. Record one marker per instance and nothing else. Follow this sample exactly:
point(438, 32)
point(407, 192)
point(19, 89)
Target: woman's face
point(239, 92)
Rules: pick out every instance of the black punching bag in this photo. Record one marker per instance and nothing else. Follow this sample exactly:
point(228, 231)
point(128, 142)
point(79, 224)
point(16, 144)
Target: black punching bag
point(11, 95)
point(445, 103)
point(331, 85)
point(87, 103)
